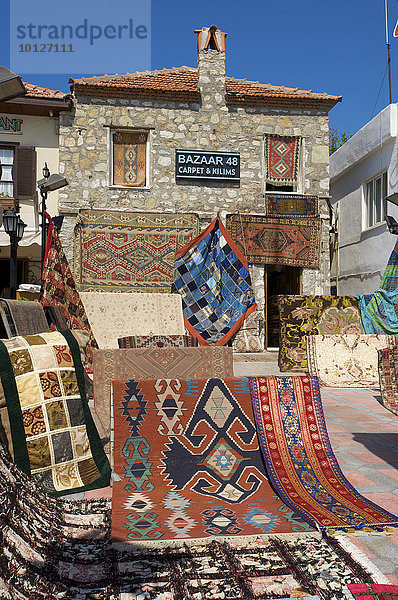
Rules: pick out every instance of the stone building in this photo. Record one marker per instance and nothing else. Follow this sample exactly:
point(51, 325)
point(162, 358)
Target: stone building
point(194, 109)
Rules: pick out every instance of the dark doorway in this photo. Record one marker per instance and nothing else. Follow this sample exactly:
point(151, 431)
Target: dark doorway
point(22, 271)
point(278, 280)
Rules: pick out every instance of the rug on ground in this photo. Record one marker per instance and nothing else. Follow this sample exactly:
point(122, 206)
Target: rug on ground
point(130, 313)
point(154, 363)
point(346, 360)
point(51, 549)
point(188, 455)
point(277, 240)
point(310, 315)
point(388, 378)
point(213, 278)
point(54, 439)
point(299, 458)
point(58, 287)
point(129, 251)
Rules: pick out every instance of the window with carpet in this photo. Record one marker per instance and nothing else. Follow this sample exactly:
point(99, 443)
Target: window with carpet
point(282, 163)
point(17, 173)
point(130, 158)
point(375, 192)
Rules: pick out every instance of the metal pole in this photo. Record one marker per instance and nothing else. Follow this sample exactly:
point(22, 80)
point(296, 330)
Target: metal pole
point(388, 52)
point(43, 226)
point(389, 71)
point(13, 266)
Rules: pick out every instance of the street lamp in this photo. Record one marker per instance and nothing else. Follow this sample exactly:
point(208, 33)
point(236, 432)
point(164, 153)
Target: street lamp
point(11, 85)
point(392, 225)
point(49, 183)
point(14, 226)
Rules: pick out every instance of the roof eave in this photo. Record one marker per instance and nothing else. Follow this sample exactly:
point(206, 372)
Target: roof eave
point(326, 103)
point(51, 103)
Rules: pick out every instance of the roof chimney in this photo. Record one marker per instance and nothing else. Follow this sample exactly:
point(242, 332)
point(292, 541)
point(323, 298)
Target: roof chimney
point(211, 66)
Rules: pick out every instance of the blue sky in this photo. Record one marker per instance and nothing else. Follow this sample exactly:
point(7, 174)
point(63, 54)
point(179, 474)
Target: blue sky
point(338, 47)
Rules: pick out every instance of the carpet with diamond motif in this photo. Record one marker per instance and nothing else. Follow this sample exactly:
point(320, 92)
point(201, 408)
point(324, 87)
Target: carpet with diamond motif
point(129, 251)
point(190, 465)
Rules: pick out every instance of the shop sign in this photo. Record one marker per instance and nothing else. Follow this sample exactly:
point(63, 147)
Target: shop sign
point(10, 125)
point(218, 166)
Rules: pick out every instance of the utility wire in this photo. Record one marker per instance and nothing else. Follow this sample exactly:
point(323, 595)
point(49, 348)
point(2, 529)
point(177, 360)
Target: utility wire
point(378, 95)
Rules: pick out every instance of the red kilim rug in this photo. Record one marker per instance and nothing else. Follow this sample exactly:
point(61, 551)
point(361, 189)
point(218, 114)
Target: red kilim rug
point(373, 591)
point(188, 455)
point(282, 159)
point(58, 288)
point(299, 459)
point(277, 240)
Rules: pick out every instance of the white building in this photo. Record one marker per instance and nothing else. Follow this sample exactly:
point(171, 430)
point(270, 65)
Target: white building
point(363, 172)
point(29, 137)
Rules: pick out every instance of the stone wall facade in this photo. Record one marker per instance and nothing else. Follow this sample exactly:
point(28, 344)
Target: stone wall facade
point(85, 142)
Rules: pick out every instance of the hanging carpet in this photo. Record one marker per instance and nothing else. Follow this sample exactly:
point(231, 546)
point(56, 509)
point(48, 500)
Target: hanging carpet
point(154, 363)
point(379, 310)
point(120, 251)
point(388, 378)
point(299, 458)
point(346, 360)
point(127, 313)
point(58, 288)
point(282, 159)
point(291, 206)
point(212, 276)
point(188, 456)
point(277, 240)
point(301, 316)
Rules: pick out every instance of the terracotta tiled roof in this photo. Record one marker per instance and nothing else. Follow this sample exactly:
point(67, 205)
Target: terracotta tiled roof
point(36, 91)
point(182, 84)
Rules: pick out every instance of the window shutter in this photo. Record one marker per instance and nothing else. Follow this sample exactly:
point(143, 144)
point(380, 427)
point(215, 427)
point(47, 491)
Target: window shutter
point(26, 172)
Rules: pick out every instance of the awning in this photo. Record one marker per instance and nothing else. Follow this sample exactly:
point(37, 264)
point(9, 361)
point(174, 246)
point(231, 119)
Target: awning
point(30, 236)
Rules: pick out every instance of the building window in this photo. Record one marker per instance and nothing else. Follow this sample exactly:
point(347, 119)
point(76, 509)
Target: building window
point(375, 192)
point(130, 158)
point(18, 173)
point(7, 184)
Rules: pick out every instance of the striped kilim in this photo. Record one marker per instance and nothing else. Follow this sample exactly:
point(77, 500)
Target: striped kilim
point(299, 458)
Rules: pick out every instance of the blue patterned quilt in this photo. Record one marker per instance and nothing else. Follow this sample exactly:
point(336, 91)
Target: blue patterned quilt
point(213, 278)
